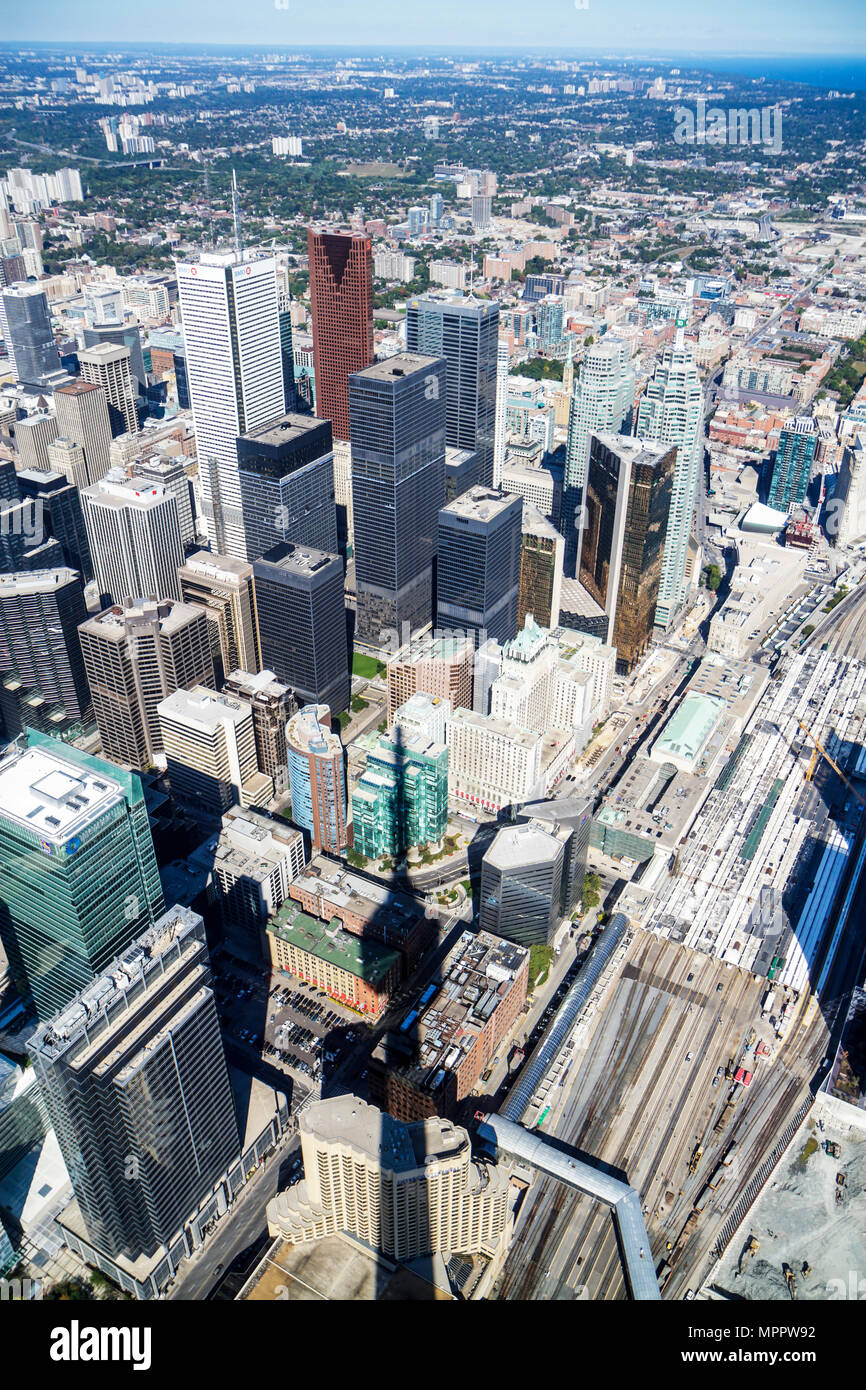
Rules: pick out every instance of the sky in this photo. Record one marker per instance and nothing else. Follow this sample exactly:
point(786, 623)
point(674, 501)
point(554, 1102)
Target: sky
point(639, 26)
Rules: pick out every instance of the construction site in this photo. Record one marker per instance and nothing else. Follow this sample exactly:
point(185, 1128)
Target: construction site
point(805, 1237)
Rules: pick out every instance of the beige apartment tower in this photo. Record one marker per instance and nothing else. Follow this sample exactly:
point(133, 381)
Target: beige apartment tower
point(405, 1190)
point(435, 665)
point(223, 587)
point(134, 657)
point(82, 416)
point(108, 366)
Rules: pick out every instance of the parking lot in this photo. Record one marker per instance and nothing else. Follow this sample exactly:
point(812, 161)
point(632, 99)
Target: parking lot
point(300, 1019)
point(290, 1024)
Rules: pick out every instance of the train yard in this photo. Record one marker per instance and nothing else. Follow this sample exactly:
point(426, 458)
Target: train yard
point(655, 1100)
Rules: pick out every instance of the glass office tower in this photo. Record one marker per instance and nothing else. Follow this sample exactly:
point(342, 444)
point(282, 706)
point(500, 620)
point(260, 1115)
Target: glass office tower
point(398, 486)
point(79, 873)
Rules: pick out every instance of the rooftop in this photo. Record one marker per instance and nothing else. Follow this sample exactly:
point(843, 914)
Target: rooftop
point(480, 504)
point(365, 959)
point(532, 843)
point(53, 797)
point(687, 731)
point(295, 559)
point(225, 568)
point(390, 369)
point(202, 708)
point(436, 1035)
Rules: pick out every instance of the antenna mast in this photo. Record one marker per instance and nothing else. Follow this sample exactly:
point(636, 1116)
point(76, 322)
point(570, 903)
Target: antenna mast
point(236, 212)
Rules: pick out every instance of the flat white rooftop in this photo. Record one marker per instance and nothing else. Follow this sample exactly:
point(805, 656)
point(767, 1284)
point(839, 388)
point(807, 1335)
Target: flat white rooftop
point(55, 798)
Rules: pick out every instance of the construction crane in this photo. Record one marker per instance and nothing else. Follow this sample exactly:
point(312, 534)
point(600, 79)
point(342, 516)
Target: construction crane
point(821, 751)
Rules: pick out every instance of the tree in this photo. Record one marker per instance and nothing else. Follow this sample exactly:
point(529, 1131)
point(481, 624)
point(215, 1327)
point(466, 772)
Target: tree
point(356, 859)
point(591, 891)
point(713, 577)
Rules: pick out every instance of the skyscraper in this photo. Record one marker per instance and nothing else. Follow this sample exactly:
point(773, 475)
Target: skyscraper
point(287, 350)
point(135, 543)
point(407, 1190)
point(82, 416)
point(80, 880)
point(478, 567)
point(521, 883)
point(570, 819)
point(40, 659)
point(223, 587)
point(62, 516)
point(398, 487)
point(171, 473)
point(602, 398)
point(500, 433)
point(317, 776)
point(135, 656)
point(466, 333)
point(302, 623)
point(235, 369)
point(210, 750)
point(341, 299)
point(542, 550)
point(33, 437)
point(438, 666)
point(135, 1081)
point(67, 458)
point(286, 471)
point(401, 798)
point(25, 323)
point(792, 465)
point(671, 412)
point(107, 365)
point(271, 704)
point(628, 492)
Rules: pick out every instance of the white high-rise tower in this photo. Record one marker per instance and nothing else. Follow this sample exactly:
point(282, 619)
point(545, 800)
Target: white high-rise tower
point(671, 412)
point(602, 398)
point(231, 325)
point(499, 433)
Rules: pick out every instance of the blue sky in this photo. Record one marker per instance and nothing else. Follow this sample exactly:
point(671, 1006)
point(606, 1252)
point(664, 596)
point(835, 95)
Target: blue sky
point(729, 26)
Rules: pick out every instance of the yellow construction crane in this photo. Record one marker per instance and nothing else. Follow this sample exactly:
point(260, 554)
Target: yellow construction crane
point(821, 751)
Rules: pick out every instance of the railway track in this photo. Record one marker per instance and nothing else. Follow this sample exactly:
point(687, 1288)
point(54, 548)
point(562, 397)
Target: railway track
point(646, 1129)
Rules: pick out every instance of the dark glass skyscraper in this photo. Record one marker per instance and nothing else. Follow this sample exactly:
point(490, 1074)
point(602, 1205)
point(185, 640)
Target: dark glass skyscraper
point(341, 300)
point(628, 496)
point(286, 471)
point(40, 654)
point(302, 623)
point(398, 487)
point(478, 565)
point(792, 466)
point(26, 327)
point(135, 1080)
point(466, 333)
point(62, 517)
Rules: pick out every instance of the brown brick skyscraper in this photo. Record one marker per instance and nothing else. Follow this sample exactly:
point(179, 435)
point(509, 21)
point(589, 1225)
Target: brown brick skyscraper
point(341, 296)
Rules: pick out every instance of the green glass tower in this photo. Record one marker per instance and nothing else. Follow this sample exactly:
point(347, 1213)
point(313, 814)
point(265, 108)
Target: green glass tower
point(401, 800)
point(78, 873)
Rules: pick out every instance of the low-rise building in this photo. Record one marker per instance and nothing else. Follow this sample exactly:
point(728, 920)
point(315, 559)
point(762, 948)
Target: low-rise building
point(357, 972)
point(437, 1055)
point(366, 908)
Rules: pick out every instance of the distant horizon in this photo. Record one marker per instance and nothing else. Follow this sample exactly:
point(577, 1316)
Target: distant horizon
point(627, 54)
point(778, 28)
